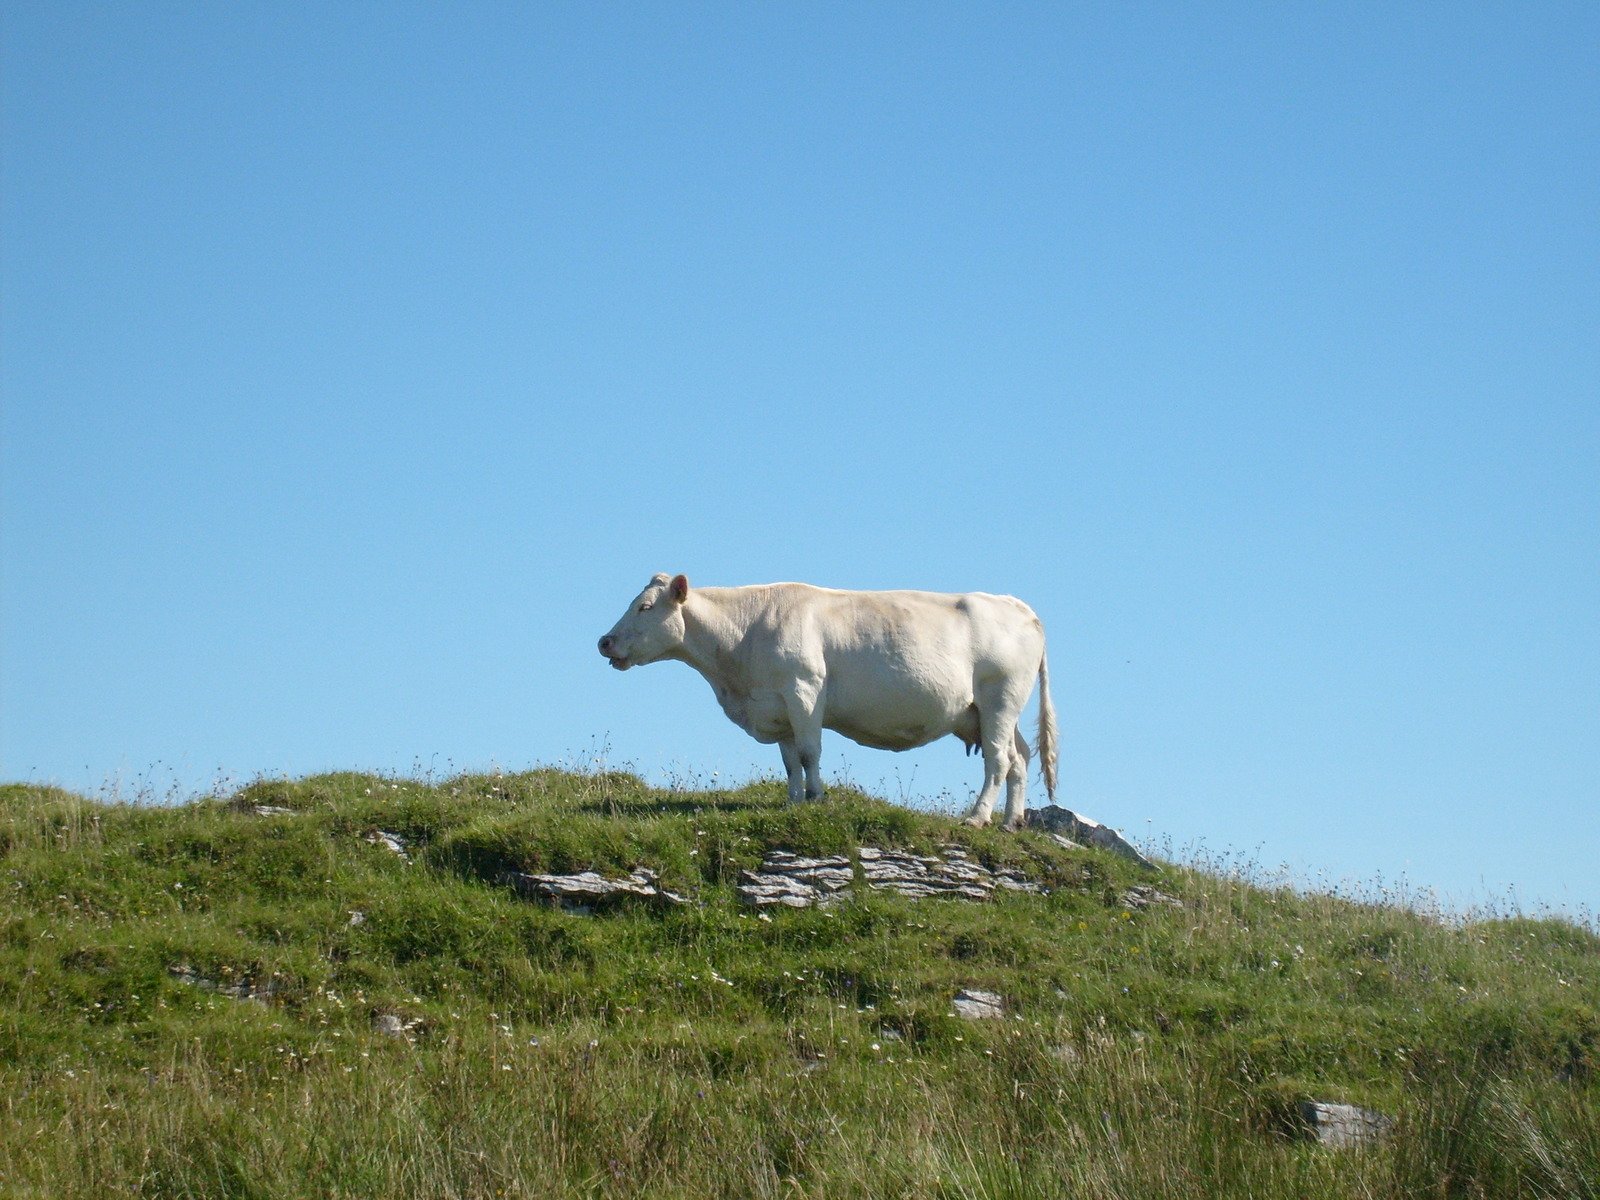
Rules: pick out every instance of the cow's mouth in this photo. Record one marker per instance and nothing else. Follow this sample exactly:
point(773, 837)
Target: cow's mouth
point(618, 662)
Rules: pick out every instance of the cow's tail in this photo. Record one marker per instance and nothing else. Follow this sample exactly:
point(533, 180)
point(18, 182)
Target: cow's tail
point(1047, 741)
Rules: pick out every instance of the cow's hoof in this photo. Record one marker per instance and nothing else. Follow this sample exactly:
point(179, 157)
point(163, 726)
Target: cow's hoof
point(976, 821)
point(1011, 824)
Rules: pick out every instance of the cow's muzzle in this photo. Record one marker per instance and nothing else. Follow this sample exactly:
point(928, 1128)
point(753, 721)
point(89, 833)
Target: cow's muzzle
point(608, 647)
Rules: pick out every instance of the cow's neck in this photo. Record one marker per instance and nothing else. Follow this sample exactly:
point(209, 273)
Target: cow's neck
point(712, 630)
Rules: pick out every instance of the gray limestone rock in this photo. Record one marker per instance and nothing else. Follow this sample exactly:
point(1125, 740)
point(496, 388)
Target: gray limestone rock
point(397, 1025)
point(790, 880)
point(245, 987)
point(793, 881)
point(953, 873)
point(974, 1005)
point(1142, 895)
point(1343, 1125)
point(392, 842)
point(585, 890)
point(1052, 818)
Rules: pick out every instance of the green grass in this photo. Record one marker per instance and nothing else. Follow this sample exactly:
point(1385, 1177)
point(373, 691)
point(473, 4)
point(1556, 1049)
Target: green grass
point(706, 1051)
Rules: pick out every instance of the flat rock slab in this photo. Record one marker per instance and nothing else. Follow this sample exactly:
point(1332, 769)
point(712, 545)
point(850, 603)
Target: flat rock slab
point(974, 1005)
point(395, 1025)
point(791, 880)
point(953, 873)
point(392, 842)
point(271, 810)
point(586, 890)
point(1052, 818)
point(1142, 895)
point(1343, 1125)
point(244, 988)
point(788, 880)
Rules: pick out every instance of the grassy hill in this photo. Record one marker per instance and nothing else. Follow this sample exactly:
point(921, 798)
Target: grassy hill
point(193, 1002)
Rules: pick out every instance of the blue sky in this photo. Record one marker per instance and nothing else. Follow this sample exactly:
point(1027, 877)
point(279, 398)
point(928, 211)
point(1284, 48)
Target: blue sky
point(358, 363)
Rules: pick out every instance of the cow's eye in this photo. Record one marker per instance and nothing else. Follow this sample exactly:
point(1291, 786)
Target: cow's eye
point(646, 606)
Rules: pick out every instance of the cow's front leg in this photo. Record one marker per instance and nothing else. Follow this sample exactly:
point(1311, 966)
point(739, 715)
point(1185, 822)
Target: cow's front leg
point(804, 703)
point(792, 767)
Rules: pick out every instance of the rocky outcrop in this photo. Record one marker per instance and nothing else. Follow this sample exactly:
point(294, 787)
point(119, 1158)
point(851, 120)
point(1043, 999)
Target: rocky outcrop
point(788, 880)
point(1072, 827)
point(1343, 1125)
point(243, 987)
point(970, 1004)
point(1142, 895)
point(396, 1025)
point(392, 842)
point(794, 881)
point(953, 873)
point(588, 890)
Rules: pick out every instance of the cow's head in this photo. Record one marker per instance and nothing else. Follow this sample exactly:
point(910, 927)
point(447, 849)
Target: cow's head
point(652, 628)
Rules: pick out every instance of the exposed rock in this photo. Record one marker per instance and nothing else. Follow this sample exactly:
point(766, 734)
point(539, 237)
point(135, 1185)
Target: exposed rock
point(794, 881)
point(954, 874)
point(389, 841)
point(975, 1005)
point(357, 917)
point(1052, 818)
point(395, 1025)
point(244, 988)
point(1343, 1125)
point(271, 810)
point(1142, 895)
point(184, 973)
point(587, 889)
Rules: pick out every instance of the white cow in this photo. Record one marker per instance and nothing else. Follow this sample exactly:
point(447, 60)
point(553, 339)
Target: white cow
point(892, 670)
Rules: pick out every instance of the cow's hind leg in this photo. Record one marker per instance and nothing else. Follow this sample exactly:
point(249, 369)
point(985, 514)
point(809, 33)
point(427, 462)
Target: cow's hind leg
point(999, 706)
point(1017, 782)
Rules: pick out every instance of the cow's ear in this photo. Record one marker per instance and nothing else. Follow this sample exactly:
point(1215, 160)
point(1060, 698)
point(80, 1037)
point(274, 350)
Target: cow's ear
point(679, 588)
